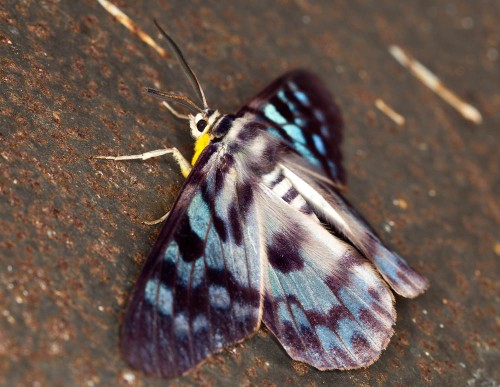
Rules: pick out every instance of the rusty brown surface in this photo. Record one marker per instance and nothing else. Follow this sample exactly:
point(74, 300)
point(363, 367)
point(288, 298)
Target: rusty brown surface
point(71, 240)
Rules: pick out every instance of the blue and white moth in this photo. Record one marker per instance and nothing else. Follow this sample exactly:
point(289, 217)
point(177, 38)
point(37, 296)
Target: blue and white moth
point(260, 233)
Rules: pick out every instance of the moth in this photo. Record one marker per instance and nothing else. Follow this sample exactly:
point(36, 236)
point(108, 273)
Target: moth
point(261, 233)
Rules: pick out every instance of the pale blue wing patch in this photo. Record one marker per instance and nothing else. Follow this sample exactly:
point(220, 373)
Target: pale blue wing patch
point(319, 144)
point(272, 114)
point(157, 293)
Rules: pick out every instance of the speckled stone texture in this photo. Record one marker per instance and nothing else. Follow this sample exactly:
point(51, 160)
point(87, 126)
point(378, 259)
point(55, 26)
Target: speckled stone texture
point(71, 237)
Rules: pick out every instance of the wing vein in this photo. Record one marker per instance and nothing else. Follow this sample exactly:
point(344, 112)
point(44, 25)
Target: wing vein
point(209, 311)
point(289, 307)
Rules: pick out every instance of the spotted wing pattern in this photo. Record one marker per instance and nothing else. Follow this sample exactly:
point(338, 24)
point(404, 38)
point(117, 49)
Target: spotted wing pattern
point(298, 109)
point(323, 301)
point(330, 206)
point(200, 289)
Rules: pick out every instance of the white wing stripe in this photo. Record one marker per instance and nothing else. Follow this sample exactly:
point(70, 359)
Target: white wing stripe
point(306, 191)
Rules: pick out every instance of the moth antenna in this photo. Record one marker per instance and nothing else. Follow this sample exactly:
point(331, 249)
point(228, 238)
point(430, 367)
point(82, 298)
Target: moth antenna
point(180, 99)
point(185, 66)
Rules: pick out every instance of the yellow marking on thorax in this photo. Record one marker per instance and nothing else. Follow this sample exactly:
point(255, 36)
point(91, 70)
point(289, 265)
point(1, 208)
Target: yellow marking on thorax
point(199, 145)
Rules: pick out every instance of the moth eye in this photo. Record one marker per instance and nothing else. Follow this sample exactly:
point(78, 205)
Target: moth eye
point(201, 124)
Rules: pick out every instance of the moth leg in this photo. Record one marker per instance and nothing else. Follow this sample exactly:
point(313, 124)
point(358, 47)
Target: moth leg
point(174, 112)
point(181, 160)
point(156, 221)
point(184, 165)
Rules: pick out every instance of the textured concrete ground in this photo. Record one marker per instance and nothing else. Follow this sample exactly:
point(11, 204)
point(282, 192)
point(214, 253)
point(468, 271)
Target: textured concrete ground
point(71, 238)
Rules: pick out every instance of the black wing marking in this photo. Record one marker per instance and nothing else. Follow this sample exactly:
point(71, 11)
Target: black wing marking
point(200, 289)
point(299, 110)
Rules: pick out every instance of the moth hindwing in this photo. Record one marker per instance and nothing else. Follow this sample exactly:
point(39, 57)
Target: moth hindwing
point(261, 232)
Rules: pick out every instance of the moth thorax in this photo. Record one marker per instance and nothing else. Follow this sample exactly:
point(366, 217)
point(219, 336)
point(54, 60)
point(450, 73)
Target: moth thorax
point(222, 126)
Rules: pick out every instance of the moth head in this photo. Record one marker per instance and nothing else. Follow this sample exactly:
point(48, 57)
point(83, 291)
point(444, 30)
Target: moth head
point(203, 122)
point(204, 118)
